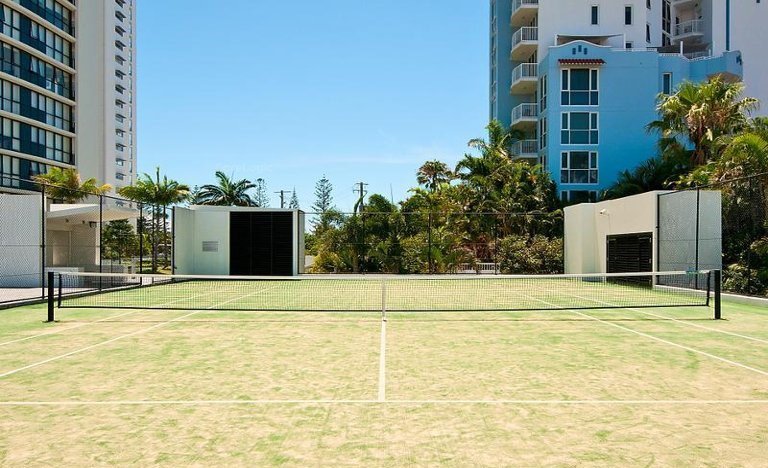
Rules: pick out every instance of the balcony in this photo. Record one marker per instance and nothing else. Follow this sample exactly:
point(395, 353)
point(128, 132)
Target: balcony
point(684, 3)
point(525, 149)
point(689, 31)
point(523, 12)
point(524, 78)
point(525, 42)
point(525, 116)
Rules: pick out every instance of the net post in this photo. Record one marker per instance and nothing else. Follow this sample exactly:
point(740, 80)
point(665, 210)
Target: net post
point(51, 293)
point(384, 300)
point(718, 294)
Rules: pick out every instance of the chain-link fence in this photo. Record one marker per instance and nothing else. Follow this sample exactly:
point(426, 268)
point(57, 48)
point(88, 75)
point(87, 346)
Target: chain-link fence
point(722, 225)
point(435, 242)
point(68, 230)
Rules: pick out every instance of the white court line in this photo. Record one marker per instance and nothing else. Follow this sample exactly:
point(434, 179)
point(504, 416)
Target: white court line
point(61, 330)
point(383, 363)
point(660, 340)
point(377, 402)
point(127, 335)
point(725, 332)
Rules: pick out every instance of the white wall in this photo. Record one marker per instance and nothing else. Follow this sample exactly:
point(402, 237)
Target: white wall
point(749, 34)
point(194, 226)
point(20, 240)
point(590, 228)
point(574, 17)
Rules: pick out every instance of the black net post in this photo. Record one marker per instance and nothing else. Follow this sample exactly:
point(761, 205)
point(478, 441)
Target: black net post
point(718, 274)
point(173, 240)
point(51, 298)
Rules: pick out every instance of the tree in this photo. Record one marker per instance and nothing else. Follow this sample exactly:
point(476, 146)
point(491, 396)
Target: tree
point(261, 197)
point(227, 192)
point(119, 240)
point(702, 113)
point(657, 173)
point(499, 142)
point(433, 174)
point(159, 193)
point(66, 185)
point(294, 203)
point(323, 195)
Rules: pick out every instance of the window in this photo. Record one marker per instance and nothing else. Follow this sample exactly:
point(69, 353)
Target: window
point(578, 167)
point(628, 15)
point(579, 87)
point(667, 83)
point(579, 196)
point(629, 45)
point(10, 134)
point(648, 4)
point(647, 32)
point(543, 133)
point(595, 14)
point(579, 128)
point(119, 176)
point(543, 93)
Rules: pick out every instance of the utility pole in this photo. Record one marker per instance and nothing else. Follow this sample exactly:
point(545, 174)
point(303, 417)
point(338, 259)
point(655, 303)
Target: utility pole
point(282, 197)
point(361, 193)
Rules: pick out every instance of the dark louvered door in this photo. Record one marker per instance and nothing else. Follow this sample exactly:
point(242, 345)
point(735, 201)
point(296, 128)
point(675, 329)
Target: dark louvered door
point(630, 253)
point(240, 246)
point(261, 244)
point(282, 244)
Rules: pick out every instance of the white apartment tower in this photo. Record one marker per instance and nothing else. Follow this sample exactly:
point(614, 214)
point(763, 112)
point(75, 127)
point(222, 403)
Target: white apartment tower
point(67, 90)
point(106, 88)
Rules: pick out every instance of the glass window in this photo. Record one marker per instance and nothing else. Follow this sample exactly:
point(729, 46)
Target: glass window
point(580, 128)
point(578, 167)
point(667, 83)
point(580, 87)
point(595, 14)
point(628, 15)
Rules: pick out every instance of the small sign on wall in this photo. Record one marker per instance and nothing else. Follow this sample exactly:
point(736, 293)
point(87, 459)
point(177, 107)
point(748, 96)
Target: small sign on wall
point(210, 246)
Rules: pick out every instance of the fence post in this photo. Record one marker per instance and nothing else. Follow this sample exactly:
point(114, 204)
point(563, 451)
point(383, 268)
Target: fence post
point(42, 238)
point(698, 233)
point(173, 240)
point(140, 232)
point(429, 242)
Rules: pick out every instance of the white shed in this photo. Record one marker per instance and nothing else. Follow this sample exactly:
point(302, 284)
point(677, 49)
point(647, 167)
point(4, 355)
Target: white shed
point(239, 241)
point(654, 231)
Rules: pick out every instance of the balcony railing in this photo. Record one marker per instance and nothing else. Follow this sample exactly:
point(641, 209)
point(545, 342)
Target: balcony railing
point(525, 112)
point(517, 4)
point(526, 148)
point(525, 34)
point(525, 70)
point(687, 28)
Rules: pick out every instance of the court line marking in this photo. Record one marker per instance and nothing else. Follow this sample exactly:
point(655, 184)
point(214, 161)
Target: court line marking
point(696, 325)
point(377, 402)
point(661, 340)
point(127, 335)
point(383, 363)
point(106, 319)
point(61, 330)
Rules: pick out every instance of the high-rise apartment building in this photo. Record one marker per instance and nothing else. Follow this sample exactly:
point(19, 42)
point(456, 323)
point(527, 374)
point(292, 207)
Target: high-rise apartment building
point(580, 78)
point(67, 89)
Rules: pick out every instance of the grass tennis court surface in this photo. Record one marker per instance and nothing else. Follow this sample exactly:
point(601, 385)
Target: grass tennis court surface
point(664, 386)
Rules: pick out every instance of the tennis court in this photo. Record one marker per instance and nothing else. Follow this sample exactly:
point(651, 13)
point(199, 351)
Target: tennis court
point(627, 375)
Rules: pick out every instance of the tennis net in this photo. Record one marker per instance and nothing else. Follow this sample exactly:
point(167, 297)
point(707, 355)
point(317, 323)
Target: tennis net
point(382, 293)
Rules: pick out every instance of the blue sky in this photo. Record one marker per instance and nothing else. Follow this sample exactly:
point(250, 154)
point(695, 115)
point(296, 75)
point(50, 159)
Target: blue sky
point(359, 90)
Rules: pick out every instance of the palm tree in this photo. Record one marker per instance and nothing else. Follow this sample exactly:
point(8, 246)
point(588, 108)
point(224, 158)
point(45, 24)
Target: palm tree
point(433, 174)
point(66, 185)
point(657, 173)
point(499, 141)
point(227, 192)
point(703, 113)
point(160, 193)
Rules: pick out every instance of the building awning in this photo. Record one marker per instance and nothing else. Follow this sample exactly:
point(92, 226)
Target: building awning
point(84, 213)
point(582, 62)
